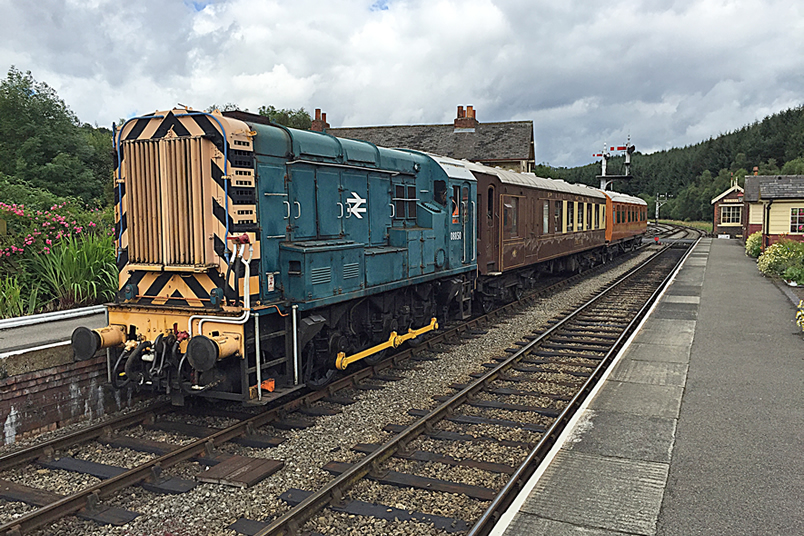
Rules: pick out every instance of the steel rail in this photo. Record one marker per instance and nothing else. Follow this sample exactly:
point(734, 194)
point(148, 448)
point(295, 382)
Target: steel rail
point(334, 491)
point(151, 469)
point(519, 479)
point(22, 456)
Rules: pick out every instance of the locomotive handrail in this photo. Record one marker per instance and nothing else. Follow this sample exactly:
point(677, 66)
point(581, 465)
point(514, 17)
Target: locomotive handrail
point(298, 207)
point(344, 166)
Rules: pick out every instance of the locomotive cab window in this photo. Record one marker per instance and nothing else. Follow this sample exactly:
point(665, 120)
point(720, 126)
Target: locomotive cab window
point(440, 192)
point(510, 216)
point(455, 204)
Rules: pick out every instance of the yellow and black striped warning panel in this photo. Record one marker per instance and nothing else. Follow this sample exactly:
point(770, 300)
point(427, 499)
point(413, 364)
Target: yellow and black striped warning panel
point(183, 179)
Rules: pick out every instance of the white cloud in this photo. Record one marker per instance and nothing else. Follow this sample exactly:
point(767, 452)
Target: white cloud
point(670, 72)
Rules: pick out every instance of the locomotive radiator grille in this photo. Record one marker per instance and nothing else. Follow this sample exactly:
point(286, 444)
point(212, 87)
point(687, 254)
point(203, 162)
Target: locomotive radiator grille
point(166, 202)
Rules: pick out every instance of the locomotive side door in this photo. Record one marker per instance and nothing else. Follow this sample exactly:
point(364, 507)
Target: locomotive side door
point(300, 206)
point(330, 210)
point(354, 196)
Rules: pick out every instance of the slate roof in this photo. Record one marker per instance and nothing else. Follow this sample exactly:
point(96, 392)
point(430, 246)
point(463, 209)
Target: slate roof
point(781, 186)
point(487, 142)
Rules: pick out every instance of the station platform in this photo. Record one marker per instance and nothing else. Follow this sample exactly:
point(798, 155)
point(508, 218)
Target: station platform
point(698, 428)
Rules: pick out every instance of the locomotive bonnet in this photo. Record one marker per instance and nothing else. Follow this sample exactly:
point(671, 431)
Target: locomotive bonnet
point(256, 259)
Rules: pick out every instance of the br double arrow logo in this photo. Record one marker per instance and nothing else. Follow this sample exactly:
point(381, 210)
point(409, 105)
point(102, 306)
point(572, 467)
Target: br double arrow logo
point(356, 205)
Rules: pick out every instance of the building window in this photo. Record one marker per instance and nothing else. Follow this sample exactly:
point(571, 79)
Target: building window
point(731, 214)
point(797, 220)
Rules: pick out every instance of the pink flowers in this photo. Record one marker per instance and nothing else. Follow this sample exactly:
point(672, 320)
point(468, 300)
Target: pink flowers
point(40, 230)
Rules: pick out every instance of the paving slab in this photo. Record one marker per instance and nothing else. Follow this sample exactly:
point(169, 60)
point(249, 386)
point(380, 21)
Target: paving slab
point(659, 352)
point(639, 399)
point(600, 492)
point(650, 372)
point(624, 435)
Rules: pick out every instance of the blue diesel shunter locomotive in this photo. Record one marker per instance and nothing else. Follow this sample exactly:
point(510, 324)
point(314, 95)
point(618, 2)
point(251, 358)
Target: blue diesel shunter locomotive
point(256, 259)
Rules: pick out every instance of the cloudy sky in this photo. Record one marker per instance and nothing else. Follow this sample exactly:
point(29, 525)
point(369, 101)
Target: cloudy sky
point(669, 72)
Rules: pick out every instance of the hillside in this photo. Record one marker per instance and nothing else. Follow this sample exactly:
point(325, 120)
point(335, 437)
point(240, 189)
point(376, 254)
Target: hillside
point(695, 174)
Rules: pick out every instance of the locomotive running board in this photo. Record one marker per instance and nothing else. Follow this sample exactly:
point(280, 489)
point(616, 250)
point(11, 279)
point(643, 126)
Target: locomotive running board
point(394, 341)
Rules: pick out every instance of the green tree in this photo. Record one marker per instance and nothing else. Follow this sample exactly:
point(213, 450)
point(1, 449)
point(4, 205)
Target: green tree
point(43, 144)
point(794, 167)
point(287, 117)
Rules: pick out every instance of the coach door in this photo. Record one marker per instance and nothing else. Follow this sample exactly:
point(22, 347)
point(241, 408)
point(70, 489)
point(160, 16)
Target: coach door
point(513, 243)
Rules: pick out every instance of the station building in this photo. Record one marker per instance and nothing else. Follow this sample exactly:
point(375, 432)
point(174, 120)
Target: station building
point(774, 205)
point(508, 145)
point(729, 211)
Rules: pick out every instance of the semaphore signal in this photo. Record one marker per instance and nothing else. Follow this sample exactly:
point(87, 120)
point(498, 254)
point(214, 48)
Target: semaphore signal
point(628, 149)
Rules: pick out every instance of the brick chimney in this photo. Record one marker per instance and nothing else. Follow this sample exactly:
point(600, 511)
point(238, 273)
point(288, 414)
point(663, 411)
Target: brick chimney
point(465, 119)
point(320, 122)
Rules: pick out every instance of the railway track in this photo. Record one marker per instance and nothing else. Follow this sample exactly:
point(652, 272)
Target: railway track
point(88, 502)
point(525, 391)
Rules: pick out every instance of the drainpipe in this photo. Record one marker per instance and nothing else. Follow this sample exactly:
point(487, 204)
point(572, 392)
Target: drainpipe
point(766, 225)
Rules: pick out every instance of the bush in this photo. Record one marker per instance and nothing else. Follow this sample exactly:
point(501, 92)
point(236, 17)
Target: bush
point(780, 256)
point(753, 245)
point(794, 273)
point(77, 271)
point(16, 300)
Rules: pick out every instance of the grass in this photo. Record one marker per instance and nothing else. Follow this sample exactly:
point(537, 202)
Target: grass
point(703, 225)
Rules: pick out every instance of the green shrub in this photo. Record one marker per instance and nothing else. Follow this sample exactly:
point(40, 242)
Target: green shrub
point(16, 300)
point(77, 271)
point(794, 273)
point(780, 256)
point(753, 245)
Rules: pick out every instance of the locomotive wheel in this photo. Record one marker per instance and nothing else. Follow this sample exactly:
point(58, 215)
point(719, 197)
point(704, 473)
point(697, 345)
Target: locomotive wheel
point(321, 361)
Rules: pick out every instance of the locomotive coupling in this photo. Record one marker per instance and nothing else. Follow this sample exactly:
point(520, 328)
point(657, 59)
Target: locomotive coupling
point(86, 342)
point(203, 352)
point(394, 341)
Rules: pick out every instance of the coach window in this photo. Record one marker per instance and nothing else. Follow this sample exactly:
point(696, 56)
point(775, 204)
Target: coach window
point(557, 210)
point(589, 216)
point(545, 217)
point(570, 216)
point(490, 202)
point(510, 216)
point(580, 216)
point(597, 216)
